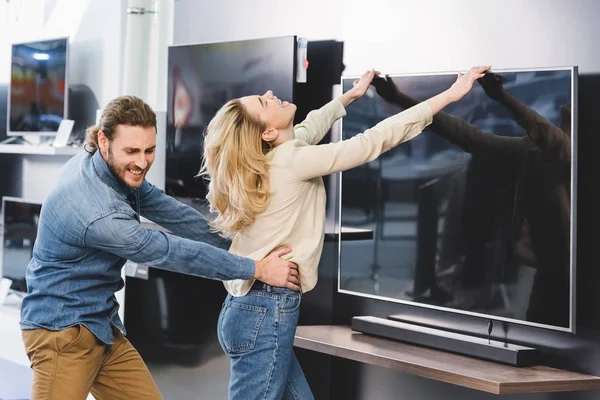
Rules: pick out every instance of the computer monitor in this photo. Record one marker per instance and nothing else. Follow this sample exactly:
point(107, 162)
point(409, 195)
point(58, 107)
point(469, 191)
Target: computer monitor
point(20, 220)
point(38, 101)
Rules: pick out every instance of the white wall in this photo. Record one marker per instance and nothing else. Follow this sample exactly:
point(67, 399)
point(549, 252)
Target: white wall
point(409, 35)
point(96, 51)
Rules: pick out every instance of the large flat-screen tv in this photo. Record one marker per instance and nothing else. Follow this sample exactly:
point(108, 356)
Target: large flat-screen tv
point(203, 77)
point(477, 214)
point(20, 220)
point(37, 101)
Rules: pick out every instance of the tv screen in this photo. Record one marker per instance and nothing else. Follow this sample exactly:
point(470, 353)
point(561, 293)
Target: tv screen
point(202, 78)
point(38, 87)
point(20, 220)
point(477, 214)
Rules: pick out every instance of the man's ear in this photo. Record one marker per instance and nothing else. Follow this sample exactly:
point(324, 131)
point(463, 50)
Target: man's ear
point(102, 142)
point(270, 135)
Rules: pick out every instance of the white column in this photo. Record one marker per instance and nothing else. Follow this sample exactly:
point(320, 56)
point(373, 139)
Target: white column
point(149, 32)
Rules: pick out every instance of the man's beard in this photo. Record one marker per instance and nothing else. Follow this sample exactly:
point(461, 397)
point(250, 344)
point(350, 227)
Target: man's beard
point(113, 168)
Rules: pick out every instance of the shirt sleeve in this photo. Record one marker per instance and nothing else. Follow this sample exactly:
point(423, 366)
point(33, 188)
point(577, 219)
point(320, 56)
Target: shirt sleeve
point(318, 122)
point(121, 235)
point(309, 162)
point(177, 217)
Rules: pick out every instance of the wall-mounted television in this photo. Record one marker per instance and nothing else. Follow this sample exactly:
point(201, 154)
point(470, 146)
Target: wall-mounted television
point(38, 100)
point(477, 215)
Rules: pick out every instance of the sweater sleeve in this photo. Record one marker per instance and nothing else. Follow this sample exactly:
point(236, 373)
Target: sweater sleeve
point(318, 122)
point(308, 162)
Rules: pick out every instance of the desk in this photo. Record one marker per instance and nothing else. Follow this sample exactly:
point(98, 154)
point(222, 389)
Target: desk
point(341, 341)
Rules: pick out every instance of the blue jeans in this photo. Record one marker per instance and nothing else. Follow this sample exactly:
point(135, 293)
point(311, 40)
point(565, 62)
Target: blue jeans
point(256, 332)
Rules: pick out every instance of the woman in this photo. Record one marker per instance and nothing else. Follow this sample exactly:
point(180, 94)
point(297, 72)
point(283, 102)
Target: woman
point(266, 190)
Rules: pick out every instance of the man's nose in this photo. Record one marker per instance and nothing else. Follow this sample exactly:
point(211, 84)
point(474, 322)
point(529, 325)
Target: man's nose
point(142, 163)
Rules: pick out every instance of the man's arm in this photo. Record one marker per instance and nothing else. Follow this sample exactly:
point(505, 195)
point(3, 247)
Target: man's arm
point(123, 236)
point(177, 217)
point(120, 234)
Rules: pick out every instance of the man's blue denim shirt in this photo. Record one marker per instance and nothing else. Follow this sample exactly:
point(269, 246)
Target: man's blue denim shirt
point(88, 230)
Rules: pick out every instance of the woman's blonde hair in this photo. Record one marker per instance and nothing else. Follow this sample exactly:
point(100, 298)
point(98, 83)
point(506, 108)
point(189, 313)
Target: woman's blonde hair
point(234, 164)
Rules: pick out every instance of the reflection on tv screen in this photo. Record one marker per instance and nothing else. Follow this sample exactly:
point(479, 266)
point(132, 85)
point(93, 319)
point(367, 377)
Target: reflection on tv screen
point(474, 214)
point(38, 85)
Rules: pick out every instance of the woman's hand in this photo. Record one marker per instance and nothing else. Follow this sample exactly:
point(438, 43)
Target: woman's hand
point(359, 88)
point(462, 86)
point(464, 83)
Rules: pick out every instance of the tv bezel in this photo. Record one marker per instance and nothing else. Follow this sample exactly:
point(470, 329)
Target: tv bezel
point(66, 100)
point(573, 226)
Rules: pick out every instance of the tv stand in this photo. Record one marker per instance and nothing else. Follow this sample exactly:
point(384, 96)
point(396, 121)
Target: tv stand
point(496, 378)
point(483, 348)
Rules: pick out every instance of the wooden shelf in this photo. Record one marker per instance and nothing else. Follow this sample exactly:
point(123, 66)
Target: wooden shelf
point(39, 150)
point(341, 341)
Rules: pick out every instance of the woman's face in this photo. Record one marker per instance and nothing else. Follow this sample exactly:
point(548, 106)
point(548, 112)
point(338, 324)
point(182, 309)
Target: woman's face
point(268, 108)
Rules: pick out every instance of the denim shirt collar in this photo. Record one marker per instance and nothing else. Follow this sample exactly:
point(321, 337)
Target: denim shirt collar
point(106, 175)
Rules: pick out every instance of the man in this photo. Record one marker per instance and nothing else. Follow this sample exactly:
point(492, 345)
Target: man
point(89, 227)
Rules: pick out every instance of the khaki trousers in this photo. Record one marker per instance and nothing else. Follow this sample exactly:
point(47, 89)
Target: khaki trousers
point(70, 364)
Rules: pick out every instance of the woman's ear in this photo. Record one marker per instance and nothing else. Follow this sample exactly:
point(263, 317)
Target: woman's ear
point(270, 135)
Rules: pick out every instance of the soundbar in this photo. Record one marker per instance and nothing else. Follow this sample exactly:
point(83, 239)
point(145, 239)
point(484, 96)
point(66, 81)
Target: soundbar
point(491, 350)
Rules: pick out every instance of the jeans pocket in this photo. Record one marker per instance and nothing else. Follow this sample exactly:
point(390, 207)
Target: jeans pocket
point(68, 338)
point(240, 326)
point(290, 302)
